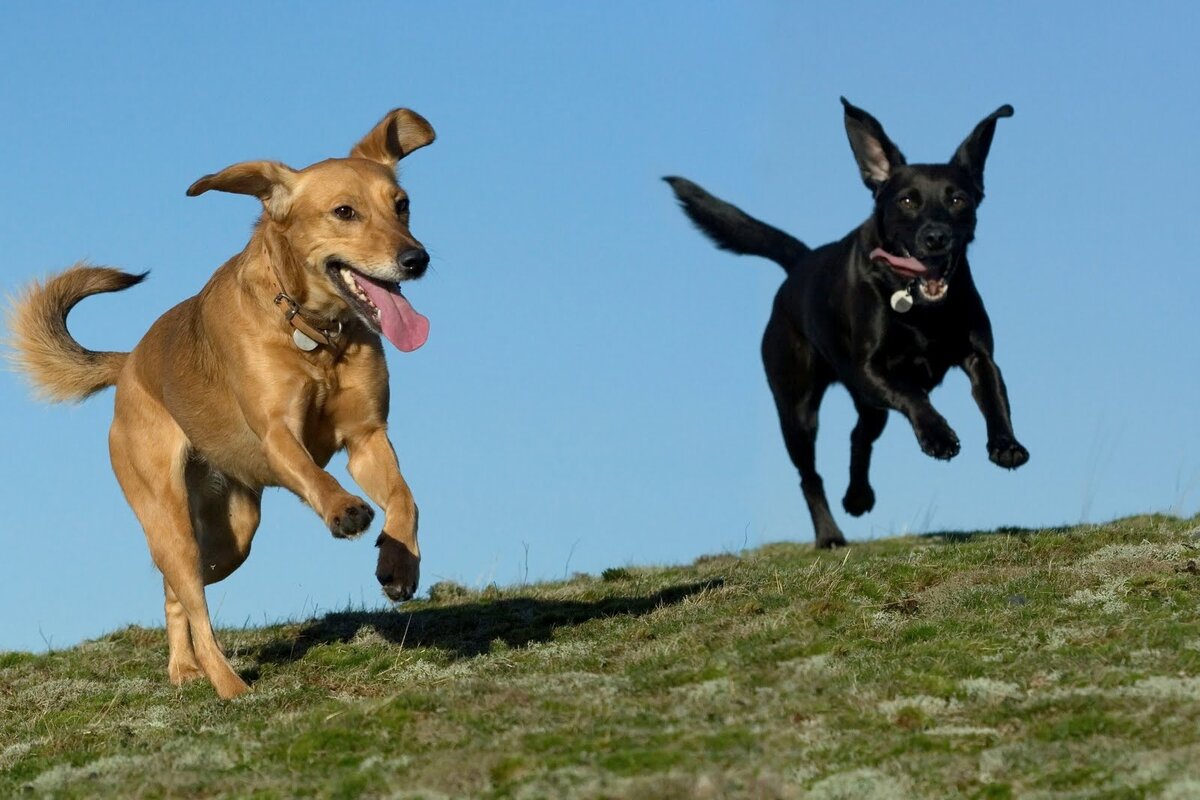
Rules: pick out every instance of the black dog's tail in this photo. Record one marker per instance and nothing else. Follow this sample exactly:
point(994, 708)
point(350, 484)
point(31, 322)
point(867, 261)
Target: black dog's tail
point(732, 229)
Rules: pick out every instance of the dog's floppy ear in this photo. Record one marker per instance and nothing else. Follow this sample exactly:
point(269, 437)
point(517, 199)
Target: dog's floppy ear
point(974, 150)
point(269, 181)
point(397, 134)
point(873, 150)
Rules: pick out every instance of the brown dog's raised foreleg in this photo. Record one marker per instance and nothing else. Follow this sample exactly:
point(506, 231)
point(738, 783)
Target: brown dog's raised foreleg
point(374, 467)
point(346, 515)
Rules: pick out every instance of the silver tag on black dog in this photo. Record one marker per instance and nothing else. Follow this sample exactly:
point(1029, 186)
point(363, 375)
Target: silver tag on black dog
point(901, 301)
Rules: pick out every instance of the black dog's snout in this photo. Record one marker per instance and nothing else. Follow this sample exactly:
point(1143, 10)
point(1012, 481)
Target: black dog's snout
point(414, 260)
point(935, 238)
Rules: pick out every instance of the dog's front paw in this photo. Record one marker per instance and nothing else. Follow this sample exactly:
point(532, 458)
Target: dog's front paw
point(859, 499)
point(350, 518)
point(937, 439)
point(1007, 453)
point(398, 569)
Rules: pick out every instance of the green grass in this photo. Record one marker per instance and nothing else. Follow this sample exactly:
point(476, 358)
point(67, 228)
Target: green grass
point(1012, 664)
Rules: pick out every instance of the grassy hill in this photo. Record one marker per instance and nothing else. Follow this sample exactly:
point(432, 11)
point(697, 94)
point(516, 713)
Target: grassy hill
point(1056, 663)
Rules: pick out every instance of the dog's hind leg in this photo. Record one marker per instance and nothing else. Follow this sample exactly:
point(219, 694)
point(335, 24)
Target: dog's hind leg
point(182, 665)
point(224, 517)
point(149, 453)
point(798, 382)
point(860, 497)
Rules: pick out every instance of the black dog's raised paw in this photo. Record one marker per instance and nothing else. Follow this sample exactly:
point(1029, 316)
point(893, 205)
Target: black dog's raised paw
point(352, 520)
point(938, 440)
point(858, 500)
point(1007, 453)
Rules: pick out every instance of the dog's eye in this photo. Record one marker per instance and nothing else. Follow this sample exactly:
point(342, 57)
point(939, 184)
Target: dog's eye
point(344, 213)
point(402, 206)
point(958, 201)
point(908, 202)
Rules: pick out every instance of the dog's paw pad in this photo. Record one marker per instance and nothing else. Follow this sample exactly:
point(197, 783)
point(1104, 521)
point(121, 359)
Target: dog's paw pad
point(941, 443)
point(352, 520)
point(1008, 454)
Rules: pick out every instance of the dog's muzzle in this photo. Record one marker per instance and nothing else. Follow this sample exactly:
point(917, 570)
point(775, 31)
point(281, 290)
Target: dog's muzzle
point(929, 288)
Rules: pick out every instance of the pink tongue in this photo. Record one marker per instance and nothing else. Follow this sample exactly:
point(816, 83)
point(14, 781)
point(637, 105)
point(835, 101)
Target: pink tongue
point(905, 266)
point(401, 323)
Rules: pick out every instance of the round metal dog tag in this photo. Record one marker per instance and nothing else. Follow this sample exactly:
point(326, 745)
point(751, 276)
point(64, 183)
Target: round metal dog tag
point(901, 301)
point(308, 345)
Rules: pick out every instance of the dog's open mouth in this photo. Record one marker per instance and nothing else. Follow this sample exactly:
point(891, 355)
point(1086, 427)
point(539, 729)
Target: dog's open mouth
point(932, 289)
point(906, 266)
point(381, 306)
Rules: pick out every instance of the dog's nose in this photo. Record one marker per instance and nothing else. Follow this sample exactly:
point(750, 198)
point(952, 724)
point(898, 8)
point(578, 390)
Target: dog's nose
point(414, 260)
point(935, 238)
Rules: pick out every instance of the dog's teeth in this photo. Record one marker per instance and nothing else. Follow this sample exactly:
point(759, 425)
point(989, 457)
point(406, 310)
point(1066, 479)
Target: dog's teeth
point(933, 289)
point(348, 278)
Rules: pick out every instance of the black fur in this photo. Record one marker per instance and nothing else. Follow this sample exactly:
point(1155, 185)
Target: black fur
point(833, 322)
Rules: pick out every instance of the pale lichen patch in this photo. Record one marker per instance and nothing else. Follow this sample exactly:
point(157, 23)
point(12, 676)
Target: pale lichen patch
point(862, 784)
point(1142, 551)
point(930, 706)
point(990, 690)
point(103, 770)
point(962, 731)
point(1108, 598)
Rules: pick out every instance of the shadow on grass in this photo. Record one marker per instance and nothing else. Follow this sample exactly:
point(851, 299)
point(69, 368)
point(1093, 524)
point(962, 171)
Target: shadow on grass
point(468, 629)
point(950, 537)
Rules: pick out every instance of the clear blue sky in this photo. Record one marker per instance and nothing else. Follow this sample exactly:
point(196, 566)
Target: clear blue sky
point(591, 394)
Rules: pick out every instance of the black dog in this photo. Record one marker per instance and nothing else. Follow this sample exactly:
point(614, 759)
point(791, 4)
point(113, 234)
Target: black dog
point(886, 311)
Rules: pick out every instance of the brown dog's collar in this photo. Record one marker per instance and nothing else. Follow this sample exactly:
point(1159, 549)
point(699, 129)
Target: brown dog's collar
point(295, 315)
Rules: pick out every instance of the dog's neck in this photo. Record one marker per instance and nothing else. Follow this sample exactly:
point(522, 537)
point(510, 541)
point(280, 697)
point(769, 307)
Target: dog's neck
point(285, 290)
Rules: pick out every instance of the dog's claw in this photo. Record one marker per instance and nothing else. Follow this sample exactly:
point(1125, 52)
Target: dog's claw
point(352, 520)
point(1007, 453)
point(943, 450)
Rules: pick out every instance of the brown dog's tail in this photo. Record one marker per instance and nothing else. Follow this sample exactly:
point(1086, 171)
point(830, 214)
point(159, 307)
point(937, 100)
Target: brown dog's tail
point(58, 366)
point(732, 229)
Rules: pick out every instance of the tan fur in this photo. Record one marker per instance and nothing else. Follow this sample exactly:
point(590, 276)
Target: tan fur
point(59, 367)
point(217, 402)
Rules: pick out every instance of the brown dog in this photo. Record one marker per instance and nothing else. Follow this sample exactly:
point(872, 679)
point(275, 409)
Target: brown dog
point(259, 379)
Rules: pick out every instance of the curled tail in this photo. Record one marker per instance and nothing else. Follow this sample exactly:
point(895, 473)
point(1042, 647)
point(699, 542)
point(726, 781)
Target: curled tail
point(58, 366)
point(733, 229)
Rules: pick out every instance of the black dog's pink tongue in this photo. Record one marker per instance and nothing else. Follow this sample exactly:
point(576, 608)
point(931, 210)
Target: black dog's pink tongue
point(907, 266)
point(401, 323)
